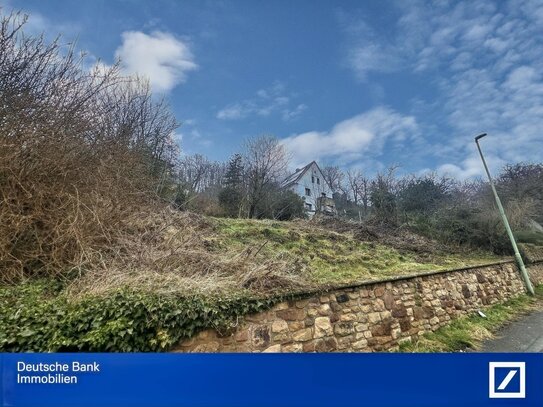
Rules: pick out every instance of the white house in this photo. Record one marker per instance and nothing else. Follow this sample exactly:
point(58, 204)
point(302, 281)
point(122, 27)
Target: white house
point(310, 184)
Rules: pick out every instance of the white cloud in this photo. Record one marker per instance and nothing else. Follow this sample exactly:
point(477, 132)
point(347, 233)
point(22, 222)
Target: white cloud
point(484, 60)
point(363, 135)
point(162, 58)
point(266, 102)
point(234, 112)
point(291, 114)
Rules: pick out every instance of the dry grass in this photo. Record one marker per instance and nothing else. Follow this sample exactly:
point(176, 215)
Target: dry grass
point(169, 251)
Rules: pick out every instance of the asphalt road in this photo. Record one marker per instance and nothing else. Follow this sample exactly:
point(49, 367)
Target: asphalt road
point(523, 335)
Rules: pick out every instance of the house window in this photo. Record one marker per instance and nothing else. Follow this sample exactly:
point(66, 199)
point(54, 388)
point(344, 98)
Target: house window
point(318, 181)
point(312, 179)
point(308, 206)
point(307, 191)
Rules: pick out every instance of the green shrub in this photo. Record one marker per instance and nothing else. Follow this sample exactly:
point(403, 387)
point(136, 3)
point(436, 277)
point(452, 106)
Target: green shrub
point(39, 316)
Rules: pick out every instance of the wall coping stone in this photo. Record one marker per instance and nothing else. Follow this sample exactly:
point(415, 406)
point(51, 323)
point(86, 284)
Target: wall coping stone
point(363, 283)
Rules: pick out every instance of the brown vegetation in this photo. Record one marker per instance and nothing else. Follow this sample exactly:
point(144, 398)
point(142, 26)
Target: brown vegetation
point(80, 152)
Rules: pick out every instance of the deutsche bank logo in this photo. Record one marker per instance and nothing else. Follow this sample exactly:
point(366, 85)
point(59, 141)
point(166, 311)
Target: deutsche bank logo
point(507, 380)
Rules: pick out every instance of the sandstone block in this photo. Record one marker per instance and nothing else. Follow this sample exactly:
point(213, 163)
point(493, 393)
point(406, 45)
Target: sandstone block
point(343, 328)
point(323, 327)
point(303, 335)
point(272, 349)
point(292, 348)
point(291, 314)
point(279, 325)
point(324, 309)
point(362, 343)
point(295, 325)
point(374, 317)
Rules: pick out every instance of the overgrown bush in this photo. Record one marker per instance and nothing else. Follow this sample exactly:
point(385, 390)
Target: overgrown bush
point(80, 150)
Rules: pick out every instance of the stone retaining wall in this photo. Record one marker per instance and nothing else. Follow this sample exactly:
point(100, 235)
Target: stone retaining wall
point(371, 317)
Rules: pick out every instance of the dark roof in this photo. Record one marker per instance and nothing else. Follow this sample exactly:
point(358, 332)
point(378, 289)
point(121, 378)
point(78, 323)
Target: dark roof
point(293, 178)
point(299, 173)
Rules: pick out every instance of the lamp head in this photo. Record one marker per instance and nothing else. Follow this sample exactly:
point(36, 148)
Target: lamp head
point(480, 136)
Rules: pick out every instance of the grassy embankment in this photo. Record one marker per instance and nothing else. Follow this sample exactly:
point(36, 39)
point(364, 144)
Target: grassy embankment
point(180, 273)
point(331, 257)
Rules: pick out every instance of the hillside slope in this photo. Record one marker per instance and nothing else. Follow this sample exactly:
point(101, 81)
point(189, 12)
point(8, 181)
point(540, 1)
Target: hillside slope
point(177, 251)
point(171, 274)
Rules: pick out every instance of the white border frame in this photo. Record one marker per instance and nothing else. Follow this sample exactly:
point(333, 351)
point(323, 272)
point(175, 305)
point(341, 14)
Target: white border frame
point(521, 394)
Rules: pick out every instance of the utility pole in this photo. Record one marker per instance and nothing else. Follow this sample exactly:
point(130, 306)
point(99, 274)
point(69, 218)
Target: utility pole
point(518, 258)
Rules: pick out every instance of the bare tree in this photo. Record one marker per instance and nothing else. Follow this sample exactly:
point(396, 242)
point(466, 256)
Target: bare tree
point(359, 188)
point(383, 191)
point(335, 177)
point(266, 162)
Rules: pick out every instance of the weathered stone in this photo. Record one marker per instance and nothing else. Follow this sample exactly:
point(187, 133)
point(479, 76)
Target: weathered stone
point(374, 317)
point(282, 337)
point(388, 299)
point(364, 293)
point(207, 347)
point(362, 343)
point(382, 329)
point(323, 327)
point(405, 324)
point(340, 298)
point(303, 335)
point(335, 307)
point(324, 309)
point(309, 322)
point(326, 345)
point(343, 328)
point(465, 291)
point(291, 314)
point(302, 303)
point(309, 346)
point(295, 325)
point(280, 306)
point(292, 348)
point(324, 299)
point(261, 335)
point(399, 311)
point(330, 343)
point(242, 335)
point(395, 333)
point(347, 317)
point(385, 315)
point(345, 341)
point(447, 303)
point(366, 308)
point(279, 325)
point(273, 349)
point(360, 327)
point(379, 291)
point(379, 305)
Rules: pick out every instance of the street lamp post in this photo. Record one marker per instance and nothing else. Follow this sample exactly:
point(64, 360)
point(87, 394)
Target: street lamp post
point(518, 258)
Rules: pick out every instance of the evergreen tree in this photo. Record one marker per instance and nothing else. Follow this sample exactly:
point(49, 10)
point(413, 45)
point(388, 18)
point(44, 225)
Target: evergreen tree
point(231, 196)
point(234, 173)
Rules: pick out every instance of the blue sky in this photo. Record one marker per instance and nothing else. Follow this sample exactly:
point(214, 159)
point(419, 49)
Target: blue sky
point(356, 84)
